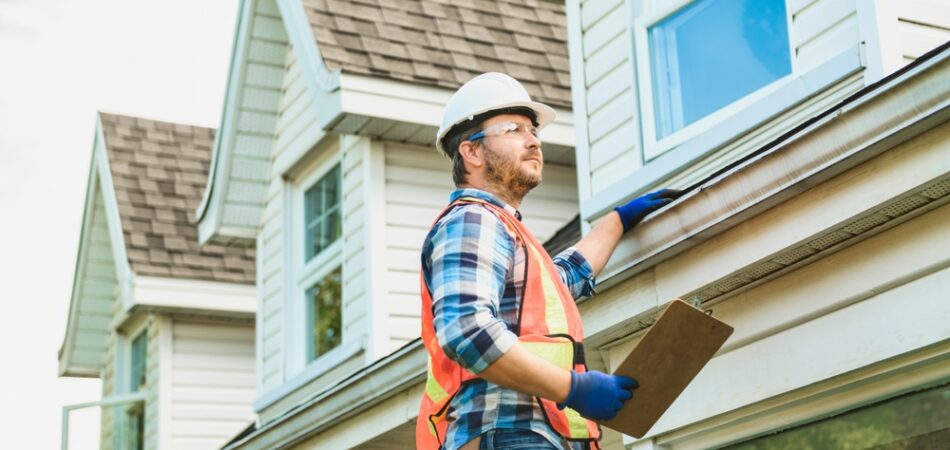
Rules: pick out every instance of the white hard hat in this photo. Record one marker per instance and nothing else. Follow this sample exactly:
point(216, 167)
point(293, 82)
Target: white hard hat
point(489, 92)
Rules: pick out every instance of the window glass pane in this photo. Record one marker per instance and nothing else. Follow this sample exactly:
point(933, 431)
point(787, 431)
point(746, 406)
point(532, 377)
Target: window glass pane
point(919, 420)
point(138, 362)
point(325, 314)
point(322, 213)
point(712, 53)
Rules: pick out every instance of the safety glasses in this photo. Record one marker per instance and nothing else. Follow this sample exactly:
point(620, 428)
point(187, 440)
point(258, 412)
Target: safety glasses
point(507, 129)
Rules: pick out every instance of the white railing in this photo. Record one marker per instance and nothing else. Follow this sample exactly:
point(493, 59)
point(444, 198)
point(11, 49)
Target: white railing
point(114, 400)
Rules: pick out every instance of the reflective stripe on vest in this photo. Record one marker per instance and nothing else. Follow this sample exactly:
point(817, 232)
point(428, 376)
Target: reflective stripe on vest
point(549, 326)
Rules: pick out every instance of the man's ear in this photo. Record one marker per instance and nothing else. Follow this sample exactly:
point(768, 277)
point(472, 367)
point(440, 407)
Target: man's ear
point(471, 154)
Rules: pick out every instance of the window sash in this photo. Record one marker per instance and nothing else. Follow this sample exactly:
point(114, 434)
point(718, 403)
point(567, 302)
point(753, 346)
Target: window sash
point(664, 115)
point(324, 314)
point(322, 213)
point(138, 362)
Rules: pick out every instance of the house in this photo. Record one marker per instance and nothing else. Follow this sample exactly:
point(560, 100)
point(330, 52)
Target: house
point(812, 141)
point(168, 326)
point(324, 163)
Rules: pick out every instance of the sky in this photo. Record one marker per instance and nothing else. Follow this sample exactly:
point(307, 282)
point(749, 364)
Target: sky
point(60, 62)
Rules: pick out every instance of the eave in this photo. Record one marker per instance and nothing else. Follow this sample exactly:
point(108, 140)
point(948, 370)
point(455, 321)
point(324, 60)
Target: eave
point(84, 333)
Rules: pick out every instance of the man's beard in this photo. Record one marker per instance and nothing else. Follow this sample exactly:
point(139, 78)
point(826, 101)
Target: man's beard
point(505, 174)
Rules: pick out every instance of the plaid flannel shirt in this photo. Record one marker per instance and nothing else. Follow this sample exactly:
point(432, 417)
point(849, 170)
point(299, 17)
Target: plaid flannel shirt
point(475, 273)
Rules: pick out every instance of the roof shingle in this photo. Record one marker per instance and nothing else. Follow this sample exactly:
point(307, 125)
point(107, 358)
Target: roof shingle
point(159, 171)
point(447, 42)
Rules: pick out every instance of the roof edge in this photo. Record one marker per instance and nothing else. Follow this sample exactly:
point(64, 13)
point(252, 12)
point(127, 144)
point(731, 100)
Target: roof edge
point(98, 173)
point(235, 80)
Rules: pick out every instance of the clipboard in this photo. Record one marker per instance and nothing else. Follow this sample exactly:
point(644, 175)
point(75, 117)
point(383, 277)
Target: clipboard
point(675, 348)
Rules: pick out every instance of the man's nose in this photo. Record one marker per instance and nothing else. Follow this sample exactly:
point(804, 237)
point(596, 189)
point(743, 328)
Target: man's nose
point(533, 141)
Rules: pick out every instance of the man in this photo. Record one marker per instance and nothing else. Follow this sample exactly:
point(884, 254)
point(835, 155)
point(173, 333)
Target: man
point(506, 364)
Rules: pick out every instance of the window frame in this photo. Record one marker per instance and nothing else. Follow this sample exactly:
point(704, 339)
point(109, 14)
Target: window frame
point(305, 273)
point(653, 147)
point(123, 383)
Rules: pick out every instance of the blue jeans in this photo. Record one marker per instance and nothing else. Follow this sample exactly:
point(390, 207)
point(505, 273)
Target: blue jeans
point(514, 439)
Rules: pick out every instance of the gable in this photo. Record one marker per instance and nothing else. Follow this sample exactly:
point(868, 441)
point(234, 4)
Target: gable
point(95, 280)
point(233, 198)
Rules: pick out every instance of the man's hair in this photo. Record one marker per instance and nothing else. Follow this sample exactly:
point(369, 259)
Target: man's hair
point(464, 130)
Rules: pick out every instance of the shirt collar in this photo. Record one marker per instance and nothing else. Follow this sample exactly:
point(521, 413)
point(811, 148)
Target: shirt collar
point(486, 196)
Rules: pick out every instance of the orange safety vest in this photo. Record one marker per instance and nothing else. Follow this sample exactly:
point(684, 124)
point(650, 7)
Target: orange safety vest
point(550, 327)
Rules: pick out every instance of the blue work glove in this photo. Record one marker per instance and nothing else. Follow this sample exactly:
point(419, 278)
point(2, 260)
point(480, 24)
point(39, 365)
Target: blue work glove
point(597, 395)
point(632, 212)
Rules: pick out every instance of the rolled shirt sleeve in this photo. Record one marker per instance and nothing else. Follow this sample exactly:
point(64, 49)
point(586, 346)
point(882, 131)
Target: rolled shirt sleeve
point(468, 262)
point(576, 272)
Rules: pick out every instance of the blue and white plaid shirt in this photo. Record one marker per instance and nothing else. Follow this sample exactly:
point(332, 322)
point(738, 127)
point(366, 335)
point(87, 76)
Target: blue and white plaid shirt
point(475, 273)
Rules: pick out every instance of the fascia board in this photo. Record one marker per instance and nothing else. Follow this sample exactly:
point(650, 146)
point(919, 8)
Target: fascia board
point(359, 392)
point(400, 101)
point(208, 213)
point(899, 109)
point(323, 84)
point(195, 296)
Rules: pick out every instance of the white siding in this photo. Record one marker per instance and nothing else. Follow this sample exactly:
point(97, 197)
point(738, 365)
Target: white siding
point(212, 386)
point(295, 114)
point(921, 26)
point(609, 93)
point(821, 30)
point(418, 183)
point(98, 279)
point(820, 328)
point(107, 420)
point(356, 294)
point(256, 116)
point(152, 405)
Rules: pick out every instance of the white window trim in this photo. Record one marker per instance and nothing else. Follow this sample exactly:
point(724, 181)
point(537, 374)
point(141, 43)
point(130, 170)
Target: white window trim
point(303, 274)
point(121, 377)
point(653, 147)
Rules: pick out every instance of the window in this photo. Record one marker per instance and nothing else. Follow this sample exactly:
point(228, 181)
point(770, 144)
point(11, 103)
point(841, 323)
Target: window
point(710, 54)
point(324, 311)
point(138, 377)
point(914, 421)
point(321, 278)
point(322, 213)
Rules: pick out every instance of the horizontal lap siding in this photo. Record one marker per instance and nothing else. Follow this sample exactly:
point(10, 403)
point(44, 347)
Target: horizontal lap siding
point(610, 96)
point(212, 386)
point(98, 280)
point(355, 254)
point(418, 184)
point(256, 118)
point(922, 25)
point(823, 29)
point(294, 114)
